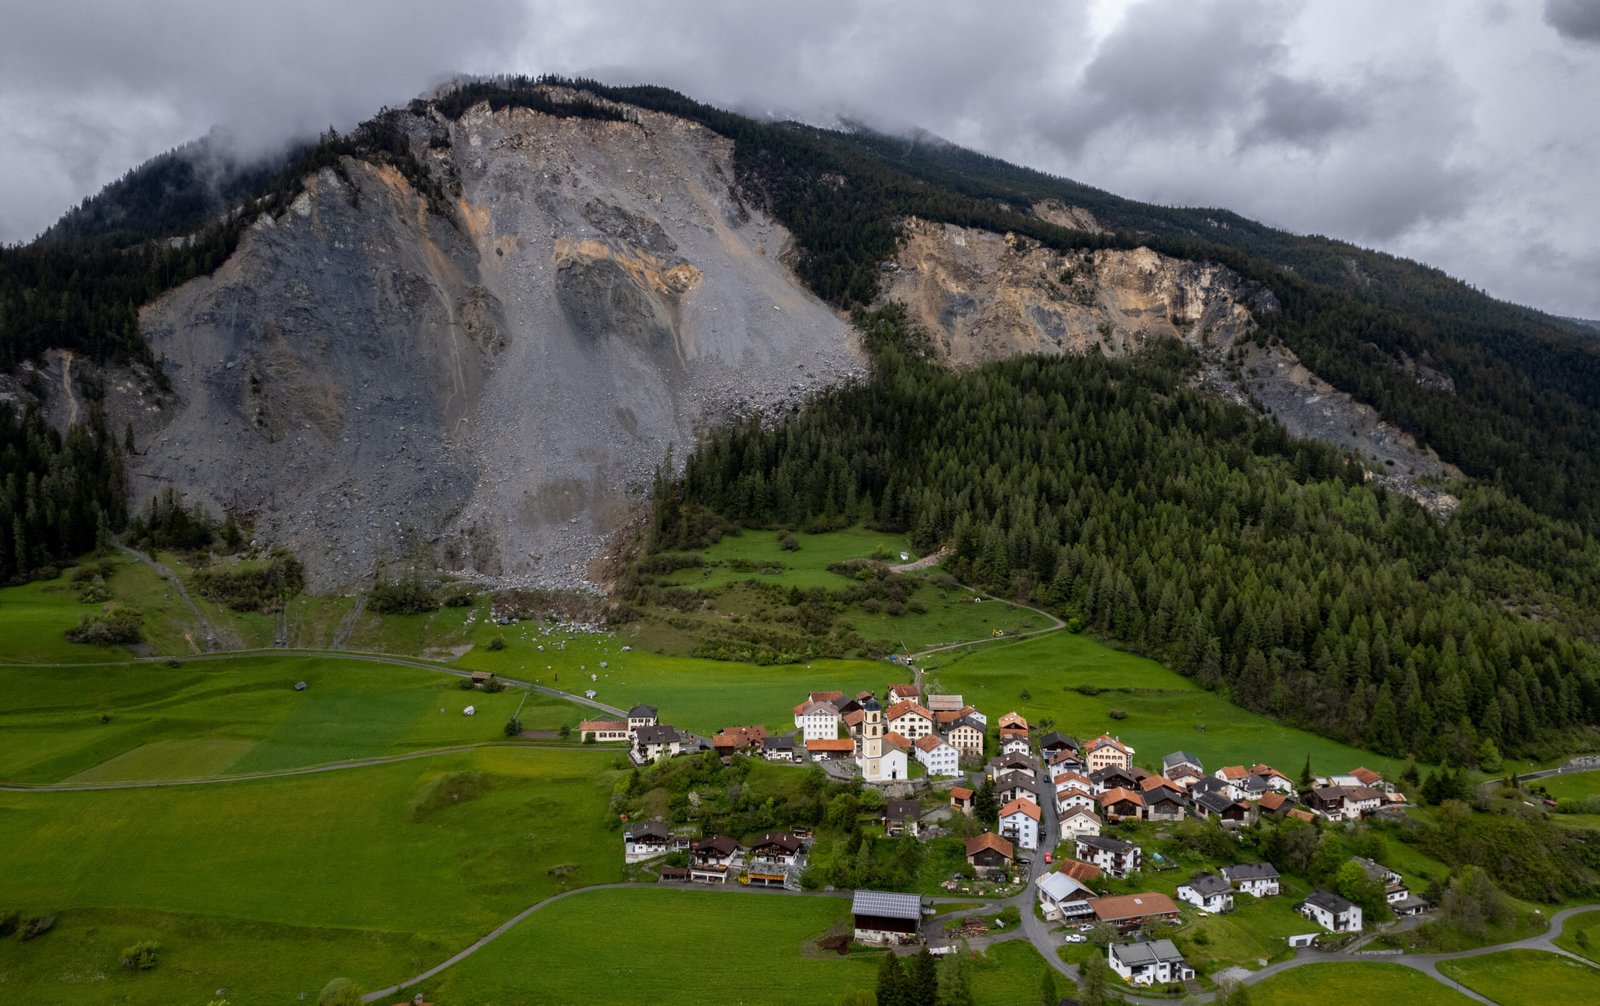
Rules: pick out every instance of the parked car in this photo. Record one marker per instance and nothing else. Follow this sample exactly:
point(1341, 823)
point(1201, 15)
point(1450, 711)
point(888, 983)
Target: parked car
point(1047, 859)
point(1087, 927)
point(1077, 938)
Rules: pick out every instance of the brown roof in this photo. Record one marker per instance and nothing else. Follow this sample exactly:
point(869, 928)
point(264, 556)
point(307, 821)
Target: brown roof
point(928, 742)
point(1367, 776)
point(1361, 793)
point(1066, 791)
point(1232, 772)
point(897, 740)
point(1006, 733)
point(818, 705)
point(1072, 777)
point(827, 744)
point(1118, 795)
point(1013, 718)
point(904, 691)
point(900, 709)
point(961, 792)
point(1078, 870)
point(1151, 782)
point(854, 717)
point(1267, 770)
point(1304, 815)
point(595, 726)
point(739, 737)
point(1105, 740)
point(989, 840)
point(1272, 801)
point(1132, 906)
point(1022, 805)
point(826, 696)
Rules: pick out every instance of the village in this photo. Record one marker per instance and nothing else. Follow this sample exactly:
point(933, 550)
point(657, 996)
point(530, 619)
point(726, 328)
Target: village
point(1044, 814)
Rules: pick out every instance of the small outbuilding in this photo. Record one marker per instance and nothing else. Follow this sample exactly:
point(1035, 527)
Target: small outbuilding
point(881, 917)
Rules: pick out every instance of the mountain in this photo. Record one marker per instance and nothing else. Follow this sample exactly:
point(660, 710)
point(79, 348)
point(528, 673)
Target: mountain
point(470, 332)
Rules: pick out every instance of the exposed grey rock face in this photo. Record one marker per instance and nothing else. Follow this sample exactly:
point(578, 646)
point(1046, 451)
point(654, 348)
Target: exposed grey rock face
point(492, 388)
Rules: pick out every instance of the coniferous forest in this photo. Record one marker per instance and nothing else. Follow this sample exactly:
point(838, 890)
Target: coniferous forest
point(1184, 527)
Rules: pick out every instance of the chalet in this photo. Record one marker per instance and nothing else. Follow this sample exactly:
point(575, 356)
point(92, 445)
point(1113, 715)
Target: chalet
point(1151, 962)
point(603, 731)
point(1163, 804)
point(901, 693)
point(734, 739)
point(1273, 803)
point(1112, 855)
point(990, 854)
point(779, 749)
point(879, 917)
point(1019, 821)
point(1367, 777)
point(1395, 892)
point(1014, 743)
point(902, 817)
point(1276, 781)
point(945, 703)
point(1222, 808)
point(1106, 751)
point(1013, 763)
point(1063, 777)
point(1010, 786)
point(649, 840)
point(1207, 892)
point(1064, 761)
point(1077, 869)
point(641, 716)
point(1054, 743)
point(1331, 912)
point(653, 743)
point(1061, 897)
point(1181, 759)
point(1119, 803)
point(715, 850)
point(1259, 879)
point(1210, 784)
point(1134, 911)
point(1071, 797)
point(1336, 803)
point(1362, 800)
point(830, 749)
point(961, 799)
point(1253, 787)
point(1012, 721)
point(779, 847)
point(818, 720)
point(966, 736)
point(937, 756)
point(1078, 822)
point(1113, 777)
point(909, 720)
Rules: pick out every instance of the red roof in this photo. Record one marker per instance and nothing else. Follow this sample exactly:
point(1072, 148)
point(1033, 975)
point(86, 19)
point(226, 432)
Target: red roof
point(900, 709)
point(928, 742)
point(1078, 870)
point(989, 840)
point(1272, 801)
point(825, 744)
point(1132, 906)
point(1013, 718)
point(826, 696)
point(961, 792)
point(1118, 795)
point(1021, 805)
point(903, 691)
point(1367, 776)
point(1105, 740)
point(597, 726)
point(897, 740)
point(1232, 772)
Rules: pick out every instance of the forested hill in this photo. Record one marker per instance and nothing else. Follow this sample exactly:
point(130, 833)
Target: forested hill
point(1264, 567)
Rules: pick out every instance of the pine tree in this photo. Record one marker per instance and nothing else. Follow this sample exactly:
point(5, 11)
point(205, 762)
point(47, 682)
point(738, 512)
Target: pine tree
point(1306, 778)
point(1047, 988)
point(891, 987)
point(922, 979)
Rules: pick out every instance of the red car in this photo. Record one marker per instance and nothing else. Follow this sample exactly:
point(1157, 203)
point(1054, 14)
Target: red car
point(1047, 859)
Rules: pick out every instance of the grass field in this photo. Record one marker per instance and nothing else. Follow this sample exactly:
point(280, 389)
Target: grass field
point(672, 946)
point(1077, 682)
point(1581, 935)
point(1320, 984)
point(218, 717)
point(444, 848)
point(1526, 978)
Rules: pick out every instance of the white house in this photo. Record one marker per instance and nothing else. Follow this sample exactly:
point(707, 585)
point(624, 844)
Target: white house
point(1259, 879)
point(1014, 744)
point(819, 720)
point(1207, 892)
point(1078, 822)
point(1057, 890)
point(603, 731)
point(909, 720)
point(649, 840)
point(641, 716)
point(1107, 751)
point(966, 736)
point(1019, 821)
point(1156, 962)
point(1112, 855)
point(1073, 798)
point(937, 756)
point(1331, 912)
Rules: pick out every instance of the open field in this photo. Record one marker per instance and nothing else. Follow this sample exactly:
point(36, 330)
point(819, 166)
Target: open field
point(1526, 978)
point(444, 848)
point(672, 946)
point(219, 717)
point(1078, 682)
point(757, 555)
point(1581, 935)
point(1320, 984)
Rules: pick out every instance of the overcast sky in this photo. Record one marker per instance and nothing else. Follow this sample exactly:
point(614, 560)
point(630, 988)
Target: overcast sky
point(1464, 133)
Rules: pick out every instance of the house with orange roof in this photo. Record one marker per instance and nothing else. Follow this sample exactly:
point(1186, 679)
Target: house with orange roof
point(830, 748)
point(1019, 821)
point(818, 718)
point(961, 799)
point(1119, 803)
point(939, 757)
point(990, 854)
point(909, 720)
point(1078, 822)
point(1134, 911)
point(603, 731)
point(1107, 751)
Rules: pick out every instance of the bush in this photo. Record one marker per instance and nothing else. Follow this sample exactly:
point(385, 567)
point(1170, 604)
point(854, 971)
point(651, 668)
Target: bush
point(113, 624)
point(403, 597)
point(1117, 714)
point(340, 992)
point(513, 727)
point(496, 644)
point(142, 956)
point(494, 685)
point(788, 542)
point(8, 923)
point(458, 597)
point(35, 926)
point(262, 587)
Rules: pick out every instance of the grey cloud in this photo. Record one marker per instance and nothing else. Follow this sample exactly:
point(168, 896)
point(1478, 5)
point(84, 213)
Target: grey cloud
point(1303, 113)
point(1578, 20)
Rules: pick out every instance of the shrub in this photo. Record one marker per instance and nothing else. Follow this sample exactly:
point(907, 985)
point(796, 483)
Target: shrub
point(494, 685)
point(113, 624)
point(142, 956)
point(465, 684)
point(788, 542)
point(458, 597)
point(402, 597)
point(1117, 714)
point(262, 587)
point(513, 727)
point(8, 923)
point(497, 643)
point(340, 992)
point(35, 926)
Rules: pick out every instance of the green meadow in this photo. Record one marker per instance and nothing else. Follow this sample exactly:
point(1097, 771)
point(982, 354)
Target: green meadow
point(1526, 977)
point(1320, 984)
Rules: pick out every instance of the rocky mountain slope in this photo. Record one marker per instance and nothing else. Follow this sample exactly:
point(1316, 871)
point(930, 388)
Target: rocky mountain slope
point(490, 388)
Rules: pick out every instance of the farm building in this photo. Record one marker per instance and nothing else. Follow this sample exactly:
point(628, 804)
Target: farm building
point(880, 917)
